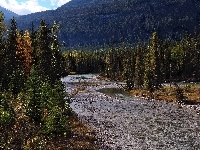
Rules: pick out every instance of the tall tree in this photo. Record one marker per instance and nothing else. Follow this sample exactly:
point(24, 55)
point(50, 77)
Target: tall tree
point(177, 58)
point(166, 72)
point(153, 64)
point(24, 50)
point(57, 60)
point(2, 45)
point(14, 74)
point(191, 57)
point(139, 67)
point(43, 50)
point(33, 35)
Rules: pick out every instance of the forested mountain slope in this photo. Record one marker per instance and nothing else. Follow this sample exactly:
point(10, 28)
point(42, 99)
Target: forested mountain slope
point(97, 21)
point(7, 13)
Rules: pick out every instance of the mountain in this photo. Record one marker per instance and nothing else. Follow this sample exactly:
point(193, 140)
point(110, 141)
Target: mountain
point(8, 14)
point(95, 22)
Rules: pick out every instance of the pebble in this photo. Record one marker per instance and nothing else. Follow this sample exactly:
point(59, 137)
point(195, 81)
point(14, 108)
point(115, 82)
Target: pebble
point(126, 123)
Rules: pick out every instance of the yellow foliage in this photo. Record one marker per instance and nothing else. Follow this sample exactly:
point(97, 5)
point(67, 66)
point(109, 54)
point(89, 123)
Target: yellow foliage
point(24, 50)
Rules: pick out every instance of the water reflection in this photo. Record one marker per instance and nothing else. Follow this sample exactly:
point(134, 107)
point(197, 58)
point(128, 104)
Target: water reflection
point(113, 92)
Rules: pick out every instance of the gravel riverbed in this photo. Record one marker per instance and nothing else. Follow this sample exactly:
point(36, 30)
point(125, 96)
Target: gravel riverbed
point(127, 123)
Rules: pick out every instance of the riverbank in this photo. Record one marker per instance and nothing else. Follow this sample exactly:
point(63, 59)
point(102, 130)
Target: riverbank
point(127, 123)
point(167, 92)
point(191, 94)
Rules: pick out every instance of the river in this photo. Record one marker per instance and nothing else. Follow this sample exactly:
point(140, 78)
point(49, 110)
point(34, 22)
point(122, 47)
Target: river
point(122, 122)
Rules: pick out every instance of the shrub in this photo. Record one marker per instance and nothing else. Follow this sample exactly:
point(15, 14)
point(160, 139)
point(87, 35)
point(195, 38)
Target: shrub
point(179, 95)
point(188, 88)
point(55, 123)
point(47, 104)
point(7, 115)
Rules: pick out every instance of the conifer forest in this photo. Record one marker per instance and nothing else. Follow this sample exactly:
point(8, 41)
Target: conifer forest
point(33, 100)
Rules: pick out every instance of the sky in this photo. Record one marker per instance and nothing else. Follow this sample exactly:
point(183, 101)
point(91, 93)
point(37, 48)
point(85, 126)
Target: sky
point(23, 7)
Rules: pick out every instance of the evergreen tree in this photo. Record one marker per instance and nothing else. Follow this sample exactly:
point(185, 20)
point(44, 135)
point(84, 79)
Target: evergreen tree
point(57, 60)
point(14, 75)
point(48, 55)
point(43, 50)
point(2, 46)
point(47, 104)
point(127, 66)
point(33, 35)
point(153, 64)
point(177, 55)
point(34, 93)
point(191, 57)
point(196, 61)
point(167, 46)
point(139, 67)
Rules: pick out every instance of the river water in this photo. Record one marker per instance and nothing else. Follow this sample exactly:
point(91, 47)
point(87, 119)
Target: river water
point(122, 122)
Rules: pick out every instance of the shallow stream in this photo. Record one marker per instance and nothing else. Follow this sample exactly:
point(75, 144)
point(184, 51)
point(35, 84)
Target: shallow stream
point(122, 122)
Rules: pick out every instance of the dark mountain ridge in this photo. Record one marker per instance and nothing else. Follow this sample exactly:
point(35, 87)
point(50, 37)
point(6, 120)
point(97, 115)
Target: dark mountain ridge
point(95, 22)
point(7, 13)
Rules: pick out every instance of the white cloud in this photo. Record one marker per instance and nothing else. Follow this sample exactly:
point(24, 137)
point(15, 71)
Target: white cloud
point(30, 6)
point(62, 2)
point(23, 8)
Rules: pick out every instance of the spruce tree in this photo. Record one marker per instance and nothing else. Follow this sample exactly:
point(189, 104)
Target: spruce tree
point(139, 67)
point(34, 93)
point(43, 50)
point(57, 60)
point(2, 46)
point(33, 36)
point(167, 46)
point(47, 52)
point(153, 64)
point(177, 55)
point(14, 75)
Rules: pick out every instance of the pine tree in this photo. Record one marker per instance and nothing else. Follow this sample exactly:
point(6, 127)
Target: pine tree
point(34, 93)
point(139, 67)
point(153, 63)
point(14, 75)
point(57, 60)
point(43, 50)
point(33, 36)
point(196, 58)
point(177, 55)
point(127, 67)
point(191, 57)
point(2, 46)
point(167, 46)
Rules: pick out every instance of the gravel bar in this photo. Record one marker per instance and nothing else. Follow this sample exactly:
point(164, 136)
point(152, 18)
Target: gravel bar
point(127, 123)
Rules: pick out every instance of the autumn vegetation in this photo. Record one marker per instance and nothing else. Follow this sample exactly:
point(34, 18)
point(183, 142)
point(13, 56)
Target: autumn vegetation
point(146, 67)
point(34, 107)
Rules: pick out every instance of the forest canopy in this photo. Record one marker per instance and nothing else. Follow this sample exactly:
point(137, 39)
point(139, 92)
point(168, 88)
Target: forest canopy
point(34, 106)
